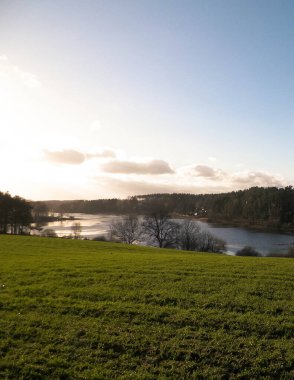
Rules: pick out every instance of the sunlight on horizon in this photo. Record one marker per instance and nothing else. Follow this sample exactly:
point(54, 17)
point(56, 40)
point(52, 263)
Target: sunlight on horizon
point(163, 110)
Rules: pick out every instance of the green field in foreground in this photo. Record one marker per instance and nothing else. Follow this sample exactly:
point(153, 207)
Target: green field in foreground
point(92, 310)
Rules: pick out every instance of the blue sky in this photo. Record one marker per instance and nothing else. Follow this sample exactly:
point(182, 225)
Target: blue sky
point(114, 98)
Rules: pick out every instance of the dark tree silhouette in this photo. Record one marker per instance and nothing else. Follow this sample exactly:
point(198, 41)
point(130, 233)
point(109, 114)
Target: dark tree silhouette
point(189, 235)
point(15, 214)
point(127, 230)
point(248, 251)
point(192, 238)
point(161, 230)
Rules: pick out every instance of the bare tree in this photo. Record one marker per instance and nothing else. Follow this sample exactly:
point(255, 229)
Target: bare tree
point(127, 230)
point(189, 235)
point(76, 230)
point(208, 242)
point(160, 229)
point(191, 238)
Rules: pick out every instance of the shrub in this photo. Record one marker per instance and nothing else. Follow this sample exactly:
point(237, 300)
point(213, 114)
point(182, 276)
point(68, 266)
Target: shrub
point(100, 238)
point(248, 251)
point(192, 238)
point(48, 232)
point(207, 242)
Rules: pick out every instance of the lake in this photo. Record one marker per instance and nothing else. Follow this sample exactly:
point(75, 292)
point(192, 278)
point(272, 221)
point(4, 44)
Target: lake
point(236, 237)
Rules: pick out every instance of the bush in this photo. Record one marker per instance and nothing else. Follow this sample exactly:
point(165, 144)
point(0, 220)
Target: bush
point(248, 251)
point(191, 238)
point(207, 242)
point(100, 238)
point(48, 232)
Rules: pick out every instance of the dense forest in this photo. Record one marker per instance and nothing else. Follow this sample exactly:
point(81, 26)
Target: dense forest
point(257, 207)
point(15, 215)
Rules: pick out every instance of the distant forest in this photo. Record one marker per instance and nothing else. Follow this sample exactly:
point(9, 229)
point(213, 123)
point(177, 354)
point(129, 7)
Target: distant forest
point(257, 207)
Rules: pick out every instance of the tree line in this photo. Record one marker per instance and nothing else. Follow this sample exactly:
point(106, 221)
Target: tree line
point(269, 207)
point(15, 215)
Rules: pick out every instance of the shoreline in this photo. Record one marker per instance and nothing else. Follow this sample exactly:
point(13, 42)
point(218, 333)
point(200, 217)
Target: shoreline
point(257, 227)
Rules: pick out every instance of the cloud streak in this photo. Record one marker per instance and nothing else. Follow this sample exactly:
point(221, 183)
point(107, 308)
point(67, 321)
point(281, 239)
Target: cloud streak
point(154, 167)
point(208, 172)
point(123, 188)
point(67, 156)
point(121, 177)
point(74, 157)
point(257, 178)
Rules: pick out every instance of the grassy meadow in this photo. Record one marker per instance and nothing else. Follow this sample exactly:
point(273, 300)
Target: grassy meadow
point(93, 310)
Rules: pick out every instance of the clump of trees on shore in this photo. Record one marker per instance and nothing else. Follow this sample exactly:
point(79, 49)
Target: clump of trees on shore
point(159, 230)
point(15, 215)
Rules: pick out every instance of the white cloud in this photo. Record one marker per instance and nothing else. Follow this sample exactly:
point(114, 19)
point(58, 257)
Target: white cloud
point(3, 57)
point(180, 182)
point(68, 156)
point(75, 157)
point(207, 177)
point(154, 167)
point(208, 172)
point(257, 178)
point(115, 187)
point(29, 80)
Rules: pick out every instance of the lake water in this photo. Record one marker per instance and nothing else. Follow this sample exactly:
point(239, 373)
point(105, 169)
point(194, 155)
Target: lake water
point(236, 238)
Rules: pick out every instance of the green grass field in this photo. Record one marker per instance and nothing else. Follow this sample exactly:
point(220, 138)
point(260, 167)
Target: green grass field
point(92, 310)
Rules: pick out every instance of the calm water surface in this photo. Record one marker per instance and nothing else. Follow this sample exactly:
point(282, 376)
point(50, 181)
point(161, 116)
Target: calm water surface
point(236, 238)
point(263, 242)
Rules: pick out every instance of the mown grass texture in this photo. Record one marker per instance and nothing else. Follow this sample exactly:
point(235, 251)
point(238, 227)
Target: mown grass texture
point(93, 310)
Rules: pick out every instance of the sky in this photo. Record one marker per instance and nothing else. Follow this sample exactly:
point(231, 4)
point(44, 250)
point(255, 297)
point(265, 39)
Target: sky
point(102, 99)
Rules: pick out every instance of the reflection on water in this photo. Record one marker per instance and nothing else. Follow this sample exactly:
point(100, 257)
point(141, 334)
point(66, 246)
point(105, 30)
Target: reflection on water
point(236, 238)
point(92, 225)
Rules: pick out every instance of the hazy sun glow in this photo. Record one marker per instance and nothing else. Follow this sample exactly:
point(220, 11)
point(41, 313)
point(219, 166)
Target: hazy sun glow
point(119, 108)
